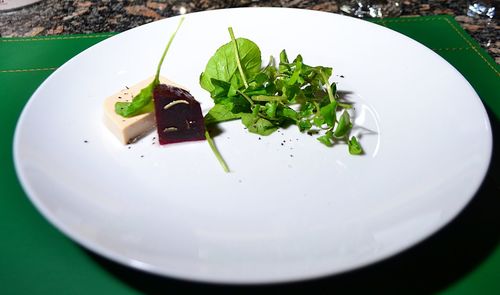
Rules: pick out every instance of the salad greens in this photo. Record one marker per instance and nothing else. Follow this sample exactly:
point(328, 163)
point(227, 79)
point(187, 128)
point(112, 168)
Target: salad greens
point(143, 102)
point(276, 95)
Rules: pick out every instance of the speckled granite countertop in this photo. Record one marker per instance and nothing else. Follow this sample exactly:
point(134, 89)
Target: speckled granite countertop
point(54, 17)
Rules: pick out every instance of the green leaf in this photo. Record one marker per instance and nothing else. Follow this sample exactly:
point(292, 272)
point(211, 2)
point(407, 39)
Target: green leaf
point(240, 104)
point(318, 121)
point(304, 125)
point(291, 91)
point(224, 67)
point(256, 124)
point(333, 87)
point(289, 113)
point(354, 146)
point(283, 66)
point(271, 109)
point(307, 110)
point(221, 88)
point(143, 102)
point(260, 78)
point(328, 112)
point(327, 139)
point(220, 113)
point(140, 104)
point(297, 70)
point(344, 125)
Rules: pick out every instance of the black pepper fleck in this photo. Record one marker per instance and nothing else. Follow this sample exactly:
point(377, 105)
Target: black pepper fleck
point(341, 76)
point(86, 141)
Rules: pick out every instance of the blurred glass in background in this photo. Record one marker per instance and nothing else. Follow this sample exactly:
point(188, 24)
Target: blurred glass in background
point(371, 8)
point(481, 8)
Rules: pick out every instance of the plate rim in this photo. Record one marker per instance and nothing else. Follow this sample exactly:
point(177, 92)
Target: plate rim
point(152, 269)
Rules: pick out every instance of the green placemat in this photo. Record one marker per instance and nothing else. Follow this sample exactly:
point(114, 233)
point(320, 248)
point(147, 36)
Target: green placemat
point(35, 258)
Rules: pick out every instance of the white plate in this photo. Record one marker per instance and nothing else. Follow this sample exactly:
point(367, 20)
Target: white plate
point(285, 212)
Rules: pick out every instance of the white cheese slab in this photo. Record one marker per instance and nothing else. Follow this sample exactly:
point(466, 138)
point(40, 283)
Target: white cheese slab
point(129, 130)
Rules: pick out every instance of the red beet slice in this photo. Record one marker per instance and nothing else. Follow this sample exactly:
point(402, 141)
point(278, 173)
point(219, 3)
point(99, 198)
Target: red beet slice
point(178, 115)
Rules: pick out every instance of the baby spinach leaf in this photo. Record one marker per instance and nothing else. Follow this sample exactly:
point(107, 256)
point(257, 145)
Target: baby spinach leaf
point(143, 102)
point(140, 104)
point(223, 66)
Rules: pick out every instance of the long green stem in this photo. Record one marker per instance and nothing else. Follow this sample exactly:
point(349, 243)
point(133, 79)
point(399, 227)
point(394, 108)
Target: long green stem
point(328, 87)
point(157, 76)
point(216, 151)
point(237, 54)
point(269, 98)
point(246, 97)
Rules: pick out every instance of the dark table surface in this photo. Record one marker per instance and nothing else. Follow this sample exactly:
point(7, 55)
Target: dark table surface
point(54, 17)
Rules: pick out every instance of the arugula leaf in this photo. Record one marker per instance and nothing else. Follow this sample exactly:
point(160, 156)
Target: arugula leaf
point(143, 102)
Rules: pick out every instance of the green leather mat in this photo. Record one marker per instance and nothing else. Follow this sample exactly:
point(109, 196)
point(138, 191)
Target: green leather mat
point(35, 258)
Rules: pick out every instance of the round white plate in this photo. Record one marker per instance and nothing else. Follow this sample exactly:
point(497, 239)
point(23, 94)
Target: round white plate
point(291, 208)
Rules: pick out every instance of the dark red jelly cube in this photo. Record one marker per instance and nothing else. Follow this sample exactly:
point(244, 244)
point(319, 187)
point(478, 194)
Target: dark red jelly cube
point(178, 115)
